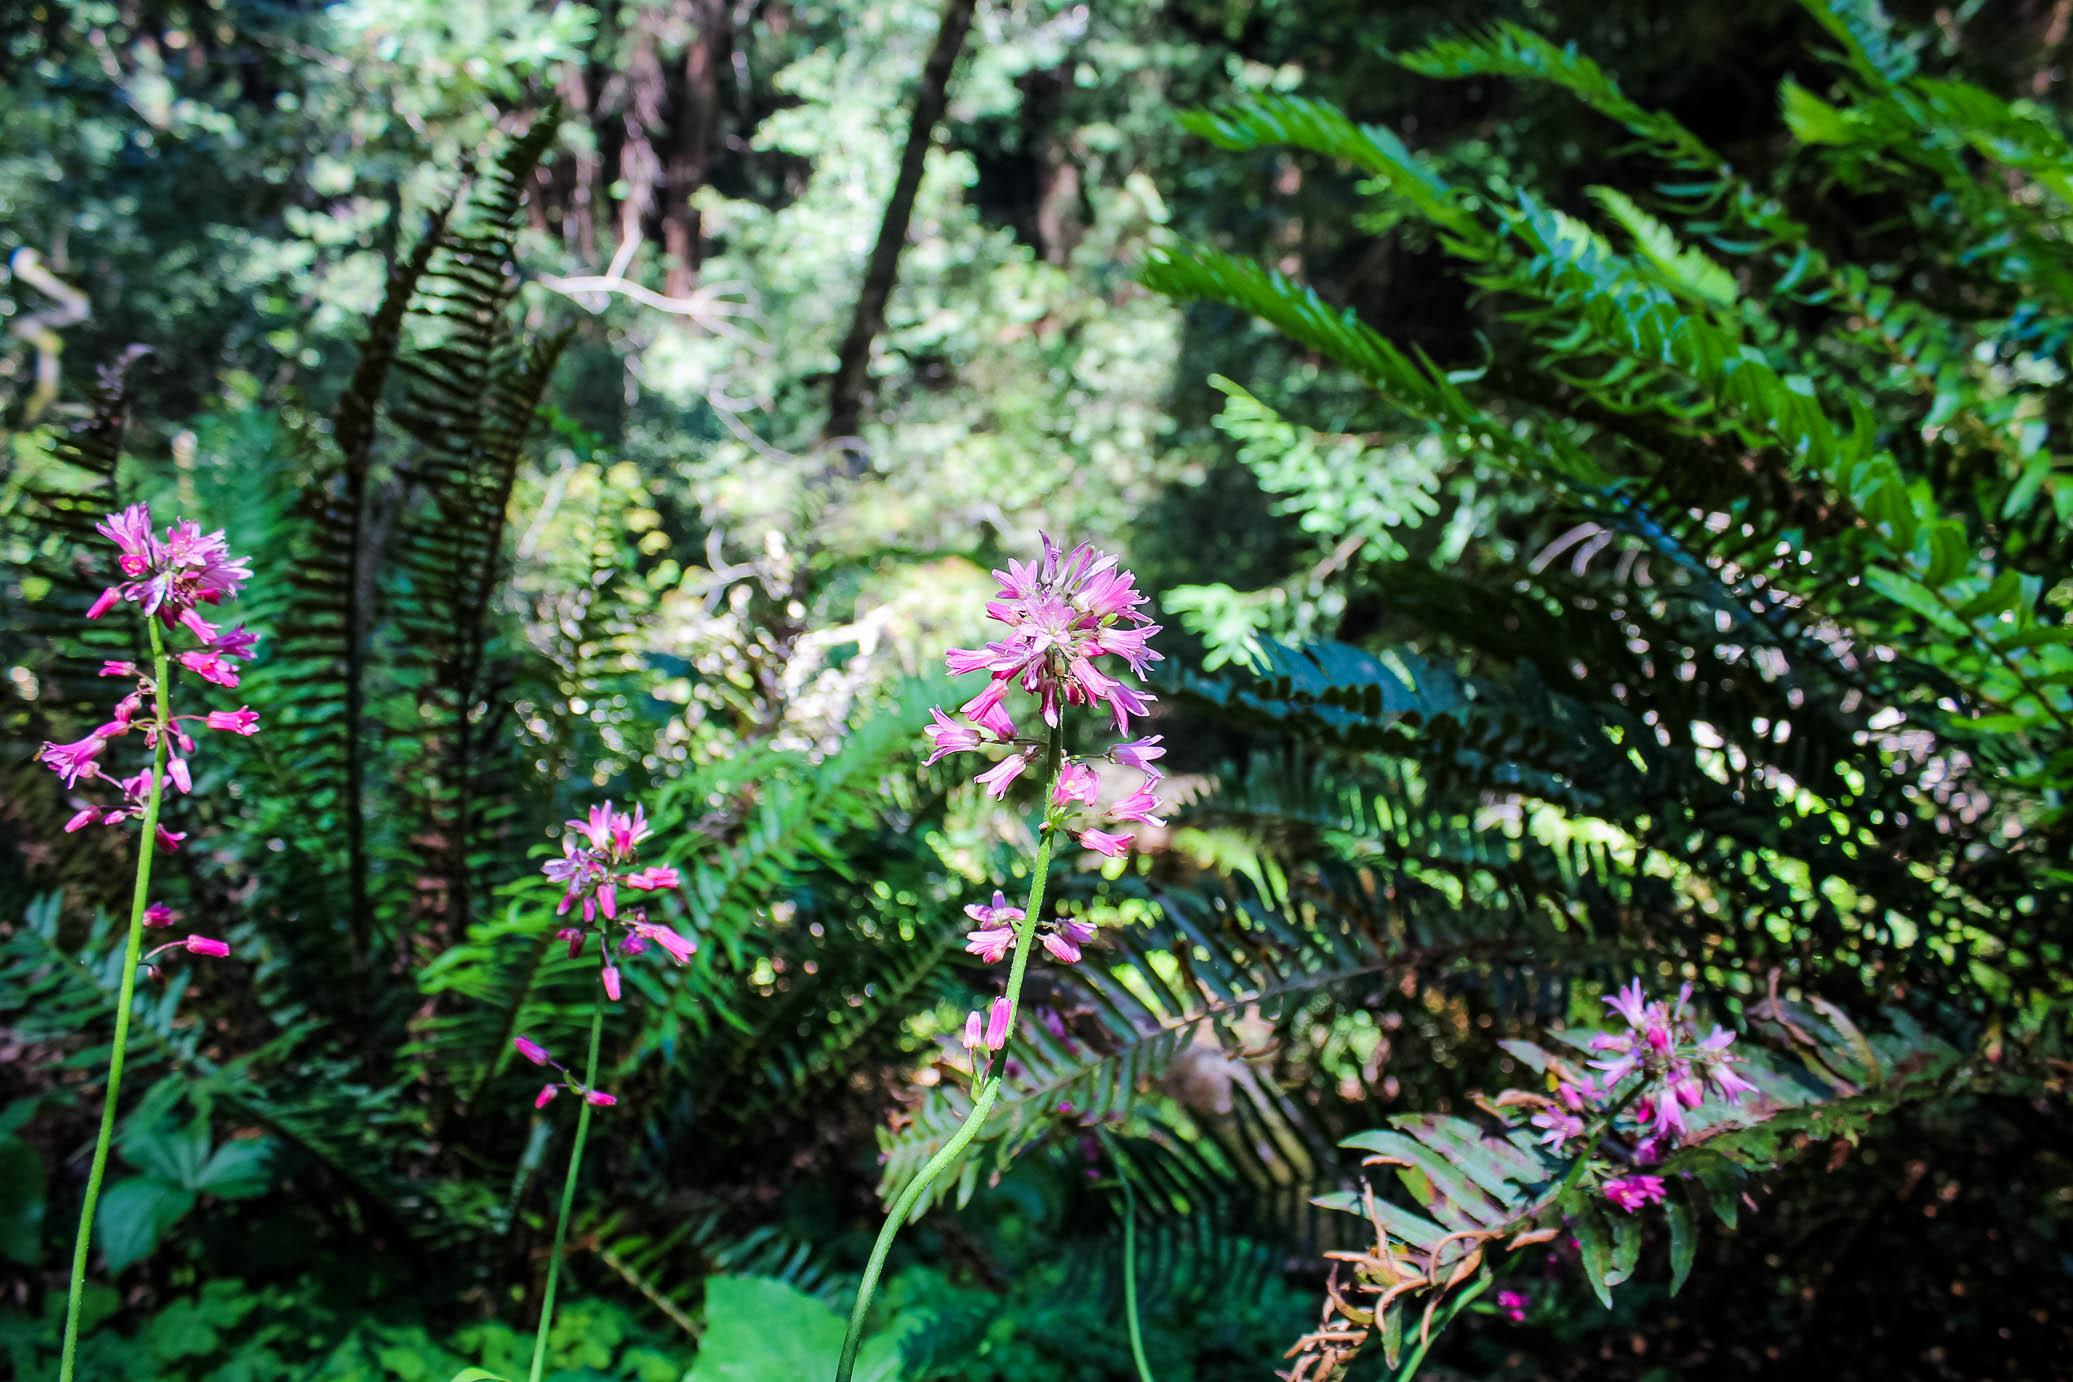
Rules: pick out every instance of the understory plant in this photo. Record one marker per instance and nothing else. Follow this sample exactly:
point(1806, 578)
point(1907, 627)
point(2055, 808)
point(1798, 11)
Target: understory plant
point(170, 579)
point(597, 860)
point(1063, 612)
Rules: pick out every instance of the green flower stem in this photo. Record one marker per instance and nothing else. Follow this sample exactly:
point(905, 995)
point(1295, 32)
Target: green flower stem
point(568, 1189)
point(1144, 1369)
point(147, 846)
point(988, 1091)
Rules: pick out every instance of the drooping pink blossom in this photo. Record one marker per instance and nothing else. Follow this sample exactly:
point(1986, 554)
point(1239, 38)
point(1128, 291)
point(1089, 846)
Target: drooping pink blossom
point(997, 1023)
point(546, 1095)
point(991, 943)
point(158, 914)
point(600, 1098)
point(973, 1037)
point(1139, 753)
point(946, 736)
point(75, 760)
point(531, 1050)
point(997, 778)
point(202, 945)
point(654, 879)
point(679, 947)
point(1512, 1305)
point(244, 720)
point(610, 976)
point(1102, 842)
point(1138, 807)
point(1632, 1192)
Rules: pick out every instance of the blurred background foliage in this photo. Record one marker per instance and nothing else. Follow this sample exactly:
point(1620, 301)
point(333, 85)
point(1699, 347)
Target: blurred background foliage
point(1601, 479)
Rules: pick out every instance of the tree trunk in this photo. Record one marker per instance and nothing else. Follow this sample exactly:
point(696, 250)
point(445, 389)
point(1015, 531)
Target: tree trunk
point(846, 392)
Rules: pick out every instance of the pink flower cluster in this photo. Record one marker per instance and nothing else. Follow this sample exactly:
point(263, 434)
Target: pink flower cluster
point(1062, 937)
point(1652, 1074)
point(537, 1054)
point(1064, 612)
point(598, 856)
point(170, 578)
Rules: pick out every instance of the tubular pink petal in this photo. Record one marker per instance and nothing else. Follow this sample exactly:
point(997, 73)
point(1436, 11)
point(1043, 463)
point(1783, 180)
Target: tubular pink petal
point(997, 778)
point(531, 1050)
point(600, 1098)
point(997, 1018)
point(610, 976)
point(546, 1095)
point(202, 945)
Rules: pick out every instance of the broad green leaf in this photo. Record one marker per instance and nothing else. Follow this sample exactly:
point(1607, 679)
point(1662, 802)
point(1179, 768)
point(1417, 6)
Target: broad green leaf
point(134, 1214)
point(238, 1170)
point(476, 1375)
point(762, 1330)
point(169, 1154)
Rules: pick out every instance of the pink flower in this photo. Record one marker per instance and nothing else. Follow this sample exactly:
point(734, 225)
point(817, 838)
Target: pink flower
point(1101, 842)
point(531, 1050)
point(176, 769)
point(574, 935)
point(118, 669)
point(1512, 1305)
point(1062, 613)
point(651, 880)
point(991, 943)
point(1630, 1004)
point(202, 945)
point(600, 1098)
point(1138, 806)
point(972, 1037)
point(1076, 782)
point(1632, 1192)
point(236, 644)
point(681, 948)
point(546, 1095)
point(610, 975)
point(997, 778)
point(1558, 1126)
point(1064, 942)
point(244, 720)
point(74, 760)
point(947, 736)
point(997, 1024)
point(158, 914)
point(209, 667)
point(995, 914)
point(1139, 753)
point(170, 577)
point(1063, 948)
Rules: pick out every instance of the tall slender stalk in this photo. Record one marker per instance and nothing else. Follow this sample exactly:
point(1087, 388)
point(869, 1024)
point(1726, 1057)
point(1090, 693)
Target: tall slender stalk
point(988, 1090)
point(1108, 1144)
point(147, 845)
point(568, 1190)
